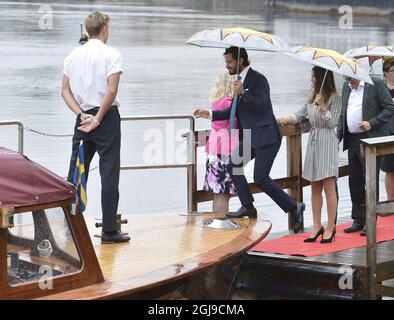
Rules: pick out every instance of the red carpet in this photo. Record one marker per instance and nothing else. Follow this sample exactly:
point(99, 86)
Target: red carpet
point(294, 244)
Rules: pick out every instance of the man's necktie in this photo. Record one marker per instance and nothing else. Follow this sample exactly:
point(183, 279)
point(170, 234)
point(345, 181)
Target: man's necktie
point(232, 113)
point(233, 110)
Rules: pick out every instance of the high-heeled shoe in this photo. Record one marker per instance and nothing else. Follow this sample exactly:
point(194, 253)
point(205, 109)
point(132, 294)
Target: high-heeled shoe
point(313, 239)
point(330, 239)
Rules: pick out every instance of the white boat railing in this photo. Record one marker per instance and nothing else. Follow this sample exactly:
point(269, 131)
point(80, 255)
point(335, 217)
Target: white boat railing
point(191, 155)
point(20, 132)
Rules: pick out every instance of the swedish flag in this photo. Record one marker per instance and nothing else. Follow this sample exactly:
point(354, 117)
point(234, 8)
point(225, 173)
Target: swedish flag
point(80, 179)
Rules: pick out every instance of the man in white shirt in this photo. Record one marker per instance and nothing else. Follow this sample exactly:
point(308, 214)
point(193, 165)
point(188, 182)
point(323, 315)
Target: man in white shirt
point(365, 110)
point(90, 85)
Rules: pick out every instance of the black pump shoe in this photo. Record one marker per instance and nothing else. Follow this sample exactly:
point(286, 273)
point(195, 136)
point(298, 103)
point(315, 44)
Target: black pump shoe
point(331, 238)
point(313, 239)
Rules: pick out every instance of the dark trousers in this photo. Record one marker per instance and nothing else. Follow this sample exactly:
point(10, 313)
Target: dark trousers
point(106, 141)
point(357, 177)
point(264, 159)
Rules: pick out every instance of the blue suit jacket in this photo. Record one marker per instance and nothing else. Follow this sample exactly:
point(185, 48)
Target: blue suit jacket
point(254, 111)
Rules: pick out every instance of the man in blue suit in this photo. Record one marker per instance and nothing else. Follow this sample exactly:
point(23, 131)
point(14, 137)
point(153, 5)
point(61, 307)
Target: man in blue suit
point(260, 138)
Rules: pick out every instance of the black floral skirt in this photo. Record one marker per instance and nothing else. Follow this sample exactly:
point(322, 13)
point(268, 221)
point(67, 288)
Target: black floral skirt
point(217, 176)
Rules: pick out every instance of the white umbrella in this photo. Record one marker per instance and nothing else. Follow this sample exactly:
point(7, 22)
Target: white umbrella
point(370, 51)
point(238, 37)
point(331, 60)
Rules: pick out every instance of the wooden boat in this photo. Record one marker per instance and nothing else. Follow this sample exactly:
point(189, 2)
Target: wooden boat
point(52, 252)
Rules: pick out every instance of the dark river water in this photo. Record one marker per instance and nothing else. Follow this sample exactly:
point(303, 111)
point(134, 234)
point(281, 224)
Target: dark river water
point(162, 75)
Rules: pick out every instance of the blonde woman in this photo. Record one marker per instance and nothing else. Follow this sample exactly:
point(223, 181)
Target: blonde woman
point(219, 146)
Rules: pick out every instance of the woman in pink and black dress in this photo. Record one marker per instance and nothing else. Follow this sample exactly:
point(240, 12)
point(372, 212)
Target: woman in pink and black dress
point(219, 147)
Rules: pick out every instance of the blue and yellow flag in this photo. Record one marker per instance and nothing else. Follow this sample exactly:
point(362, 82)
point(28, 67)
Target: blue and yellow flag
point(80, 179)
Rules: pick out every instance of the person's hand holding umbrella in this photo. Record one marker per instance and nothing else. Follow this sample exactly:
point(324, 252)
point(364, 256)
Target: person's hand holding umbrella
point(238, 87)
point(320, 104)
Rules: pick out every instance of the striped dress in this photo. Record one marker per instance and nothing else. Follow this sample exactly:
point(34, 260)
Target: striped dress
point(321, 159)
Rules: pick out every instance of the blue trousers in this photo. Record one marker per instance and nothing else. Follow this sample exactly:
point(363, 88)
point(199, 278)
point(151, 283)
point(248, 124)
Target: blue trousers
point(105, 140)
point(264, 159)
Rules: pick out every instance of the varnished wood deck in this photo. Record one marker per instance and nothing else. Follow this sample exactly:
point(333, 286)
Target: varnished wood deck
point(164, 247)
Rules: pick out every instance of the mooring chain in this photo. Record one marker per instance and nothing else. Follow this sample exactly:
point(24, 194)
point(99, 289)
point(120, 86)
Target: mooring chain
point(48, 134)
point(55, 136)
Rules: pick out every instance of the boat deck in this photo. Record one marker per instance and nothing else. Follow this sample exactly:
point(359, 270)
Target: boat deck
point(164, 248)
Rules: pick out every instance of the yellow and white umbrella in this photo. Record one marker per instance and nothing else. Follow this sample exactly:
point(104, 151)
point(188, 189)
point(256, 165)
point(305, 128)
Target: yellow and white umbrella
point(331, 60)
point(372, 52)
point(238, 37)
point(377, 52)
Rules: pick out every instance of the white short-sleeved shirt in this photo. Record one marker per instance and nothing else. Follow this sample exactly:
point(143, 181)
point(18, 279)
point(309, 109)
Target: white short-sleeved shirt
point(88, 68)
point(355, 109)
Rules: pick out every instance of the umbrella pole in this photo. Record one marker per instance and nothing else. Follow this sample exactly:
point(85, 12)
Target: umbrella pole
point(235, 99)
point(322, 84)
point(239, 53)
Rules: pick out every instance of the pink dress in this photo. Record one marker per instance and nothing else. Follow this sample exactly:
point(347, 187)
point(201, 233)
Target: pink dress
point(219, 147)
point(220, 140)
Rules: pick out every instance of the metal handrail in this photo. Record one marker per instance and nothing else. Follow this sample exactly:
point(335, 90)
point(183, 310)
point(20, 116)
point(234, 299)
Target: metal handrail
point(191, 160)
point(20, 132)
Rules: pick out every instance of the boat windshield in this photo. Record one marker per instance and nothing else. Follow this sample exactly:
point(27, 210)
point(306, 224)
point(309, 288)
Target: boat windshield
point(40, 247)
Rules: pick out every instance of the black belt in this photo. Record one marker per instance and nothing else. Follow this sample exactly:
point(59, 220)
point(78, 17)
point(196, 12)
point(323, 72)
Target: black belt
point(96, 108)
point(359, 134)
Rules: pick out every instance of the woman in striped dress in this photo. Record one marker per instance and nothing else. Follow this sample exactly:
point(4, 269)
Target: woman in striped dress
point(321, 159)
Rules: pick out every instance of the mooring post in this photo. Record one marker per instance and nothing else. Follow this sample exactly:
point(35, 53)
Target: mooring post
point(370, 178)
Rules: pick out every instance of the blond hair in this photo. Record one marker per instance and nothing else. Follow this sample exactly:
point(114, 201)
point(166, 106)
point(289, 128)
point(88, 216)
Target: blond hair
point(95, 22)
point(223, 87)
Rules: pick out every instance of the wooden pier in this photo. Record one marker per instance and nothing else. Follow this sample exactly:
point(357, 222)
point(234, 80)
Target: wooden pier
point(264, 275)
point(338, 275)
